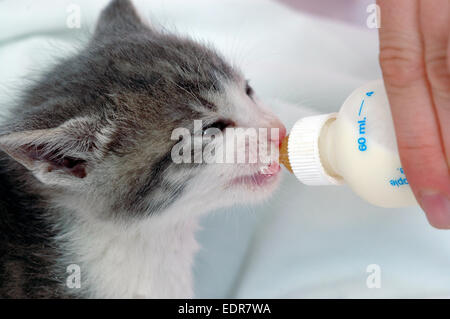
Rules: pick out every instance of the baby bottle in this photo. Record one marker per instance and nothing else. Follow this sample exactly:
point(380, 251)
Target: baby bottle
point(356, 146)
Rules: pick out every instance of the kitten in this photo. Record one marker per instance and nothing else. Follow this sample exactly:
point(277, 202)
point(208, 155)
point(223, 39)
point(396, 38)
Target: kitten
point(92, 204)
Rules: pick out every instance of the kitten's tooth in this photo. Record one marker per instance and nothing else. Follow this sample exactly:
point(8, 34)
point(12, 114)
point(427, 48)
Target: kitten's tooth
point(264, 169)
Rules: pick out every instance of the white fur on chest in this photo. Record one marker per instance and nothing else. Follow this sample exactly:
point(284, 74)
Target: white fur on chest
point(152, 259)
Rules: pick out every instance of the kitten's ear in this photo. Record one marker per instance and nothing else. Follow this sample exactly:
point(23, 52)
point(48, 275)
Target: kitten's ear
point(118, 16)
point(57, 156)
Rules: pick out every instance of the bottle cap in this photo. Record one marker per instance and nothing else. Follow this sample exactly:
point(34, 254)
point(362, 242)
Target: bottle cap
point(304, 153)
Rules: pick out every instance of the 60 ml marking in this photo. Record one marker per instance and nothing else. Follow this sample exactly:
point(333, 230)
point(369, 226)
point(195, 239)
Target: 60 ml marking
point(362, 141)
point(362, 146)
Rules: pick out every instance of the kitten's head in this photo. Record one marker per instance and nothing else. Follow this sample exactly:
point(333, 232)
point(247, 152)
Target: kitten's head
point(103, 131)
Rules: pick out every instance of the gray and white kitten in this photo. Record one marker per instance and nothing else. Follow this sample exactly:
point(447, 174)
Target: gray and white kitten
point(86, 175)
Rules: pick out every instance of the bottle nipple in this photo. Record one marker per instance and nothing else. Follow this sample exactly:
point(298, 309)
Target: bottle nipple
point(284, 157)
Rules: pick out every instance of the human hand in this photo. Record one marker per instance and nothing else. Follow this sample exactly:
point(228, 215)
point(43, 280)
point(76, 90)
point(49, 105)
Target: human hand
point(415, 60)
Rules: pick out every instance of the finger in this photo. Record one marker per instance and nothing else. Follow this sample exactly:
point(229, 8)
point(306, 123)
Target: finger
point(435, 26)
point(416, 125)
point(435, 23)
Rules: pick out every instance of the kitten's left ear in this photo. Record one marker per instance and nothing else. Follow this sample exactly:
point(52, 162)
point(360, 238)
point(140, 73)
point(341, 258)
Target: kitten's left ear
point(58, 156)
point(118, 16)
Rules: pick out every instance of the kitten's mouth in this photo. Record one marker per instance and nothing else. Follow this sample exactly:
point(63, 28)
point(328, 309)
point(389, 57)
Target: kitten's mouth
point(265, 175)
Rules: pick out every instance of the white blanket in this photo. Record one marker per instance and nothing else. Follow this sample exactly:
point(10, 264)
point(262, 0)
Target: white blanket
point(305, 241)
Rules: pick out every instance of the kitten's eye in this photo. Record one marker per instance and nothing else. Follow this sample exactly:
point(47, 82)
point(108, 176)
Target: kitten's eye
point(220, 124)
point(249, 90)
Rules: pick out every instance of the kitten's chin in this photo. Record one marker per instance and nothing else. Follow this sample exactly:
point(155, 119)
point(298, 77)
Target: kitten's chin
point(257, 186)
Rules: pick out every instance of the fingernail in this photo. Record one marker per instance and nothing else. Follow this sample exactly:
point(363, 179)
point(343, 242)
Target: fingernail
point(437, 208)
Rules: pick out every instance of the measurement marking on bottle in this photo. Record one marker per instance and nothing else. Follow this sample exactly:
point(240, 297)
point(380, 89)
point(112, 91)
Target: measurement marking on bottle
point(362, 126)
point(362, 141)
point(361, 107)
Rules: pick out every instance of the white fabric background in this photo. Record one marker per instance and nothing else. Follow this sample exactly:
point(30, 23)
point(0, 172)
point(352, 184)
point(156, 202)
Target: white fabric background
point(304, 242)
